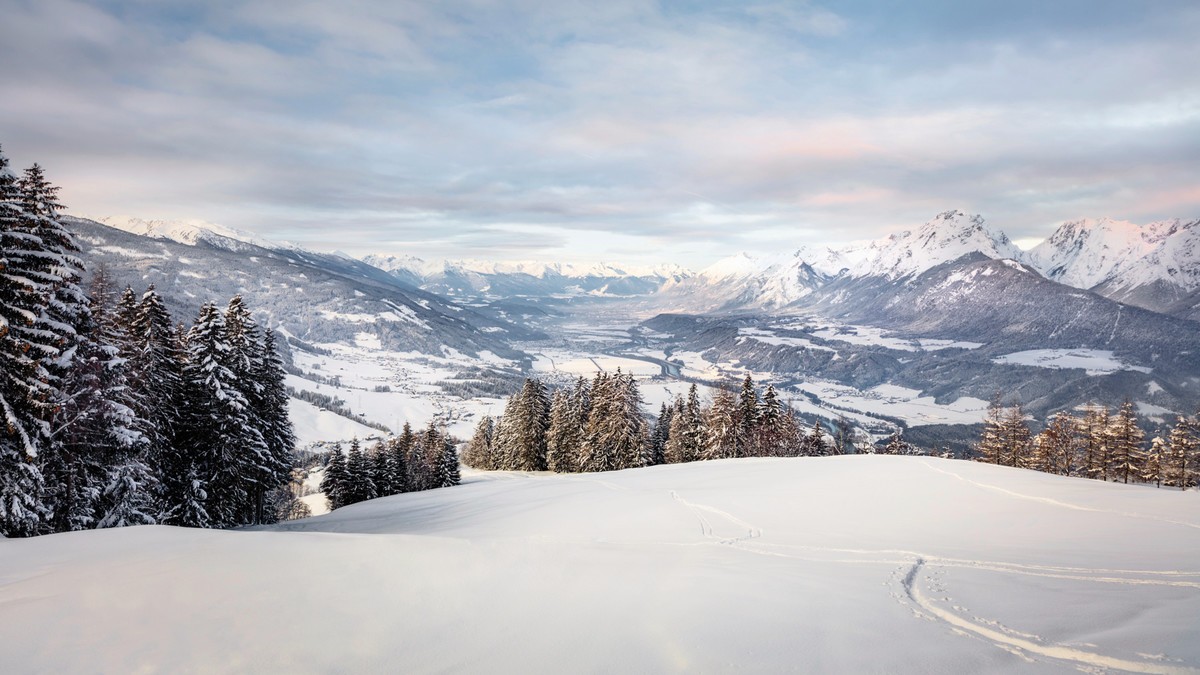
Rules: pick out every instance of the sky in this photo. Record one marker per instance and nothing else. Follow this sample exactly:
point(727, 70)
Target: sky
point(625, 131)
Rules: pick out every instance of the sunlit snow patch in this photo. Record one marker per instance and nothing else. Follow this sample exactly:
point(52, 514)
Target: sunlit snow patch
point(1094, 361)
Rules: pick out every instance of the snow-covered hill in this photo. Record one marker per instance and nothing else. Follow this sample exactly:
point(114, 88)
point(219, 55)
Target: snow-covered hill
point(1152, 265)
point(835, 564)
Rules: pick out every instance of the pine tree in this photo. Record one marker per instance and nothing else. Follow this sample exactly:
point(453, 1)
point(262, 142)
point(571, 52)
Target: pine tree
point(406, 445)
point(447, 465)
point(360, 487)
point(399, 451)
point(722, 433)
point(747, 419)
point(561, 452)
point(1125, 440)
point(154, 373)
point(382, 470)
point(679, 439)
point(532, 423)
point(617, 435)
point(1183, 450)
point(336, 481)
point(258, 470)
point(815, 445)
point(991, 446)
point(660, 435)
point(1093, 428)
point(1152, 467)
point(220, 440)
point(478, 453)
point(1056, 445)
point(272, 411)
point(1015, 437)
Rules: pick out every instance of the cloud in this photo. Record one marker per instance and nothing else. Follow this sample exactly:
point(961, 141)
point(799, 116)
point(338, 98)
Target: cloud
point(575, 130)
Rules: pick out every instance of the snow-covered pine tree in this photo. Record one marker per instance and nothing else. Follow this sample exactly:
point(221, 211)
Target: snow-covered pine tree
point(478, 453)
point(220, 437)
point(1093, 428)
point(991, 446)
point(272, 412)
point(746, 418)
point(505, 438)
point(660, 435)
point(560, 455)
point(1183, 453)
point(447, 463)
point(532, 423)
point(1152, 467)
point(154, 373)
point(677, 449)
point(814, 442)
point(402, 449)
point(101, 429)
point(336, 480)
point(1016, 437)
point(383, 470)
point(259, 470)
point(721, 430)
point(359, 485)
point(1125, 439)
point(26, 397)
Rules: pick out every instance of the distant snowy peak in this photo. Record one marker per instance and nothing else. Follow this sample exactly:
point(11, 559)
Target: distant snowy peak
point(1119, 257)
point(949, 236)
point(538, 269)
point(189, 232)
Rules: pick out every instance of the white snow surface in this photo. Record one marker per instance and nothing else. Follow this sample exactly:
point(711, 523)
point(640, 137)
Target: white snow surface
point(1094, 361)
point(836, 564)
point(1089, 252)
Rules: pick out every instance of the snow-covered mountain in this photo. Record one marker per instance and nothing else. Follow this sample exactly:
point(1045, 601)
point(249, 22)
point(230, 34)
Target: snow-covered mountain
point(189, 232)
point(466, 278)
point(313, 297)
point(744, 281)
point(1152, 266)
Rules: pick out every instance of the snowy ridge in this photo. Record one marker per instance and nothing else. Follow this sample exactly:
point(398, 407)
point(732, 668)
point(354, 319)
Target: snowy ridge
point(949, 236)
point(541, 270)
point(1117, 258)
point(190, 232)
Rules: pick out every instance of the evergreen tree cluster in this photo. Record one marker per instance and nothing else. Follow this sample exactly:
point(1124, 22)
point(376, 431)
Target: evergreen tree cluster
point(110, 415)
point(1097, 444)
point(408, 462)
point(598, 426)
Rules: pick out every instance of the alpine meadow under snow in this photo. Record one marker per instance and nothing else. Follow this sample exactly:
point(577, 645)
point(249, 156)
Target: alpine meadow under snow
point(831, 564)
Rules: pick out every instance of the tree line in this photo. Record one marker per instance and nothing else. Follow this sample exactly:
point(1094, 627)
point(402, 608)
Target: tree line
point(111, 415)
point(599, 426)
point(408, 462)
point(1095, 444)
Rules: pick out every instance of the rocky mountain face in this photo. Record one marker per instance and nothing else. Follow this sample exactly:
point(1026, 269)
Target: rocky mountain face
point(956, 279)
point(1152, 266)
point(313, 297)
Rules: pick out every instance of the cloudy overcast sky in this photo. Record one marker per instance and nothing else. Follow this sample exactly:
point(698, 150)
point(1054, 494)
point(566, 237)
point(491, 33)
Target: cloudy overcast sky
point(628, 131)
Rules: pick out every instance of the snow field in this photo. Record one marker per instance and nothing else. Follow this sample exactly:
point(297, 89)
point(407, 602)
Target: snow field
point(1094, 361)
point(837, 564)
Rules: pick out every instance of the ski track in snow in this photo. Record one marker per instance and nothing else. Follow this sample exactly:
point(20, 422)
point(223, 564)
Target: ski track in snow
point(1055, 502)
point(1019, 643)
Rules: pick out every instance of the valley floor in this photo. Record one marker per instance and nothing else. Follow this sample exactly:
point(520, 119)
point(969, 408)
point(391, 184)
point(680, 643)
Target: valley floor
point(832, 564)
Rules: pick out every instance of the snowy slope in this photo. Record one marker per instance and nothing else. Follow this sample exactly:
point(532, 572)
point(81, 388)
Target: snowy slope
point(949, 236)
point(189, 232)
point(743, 281)
point(839, 564)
